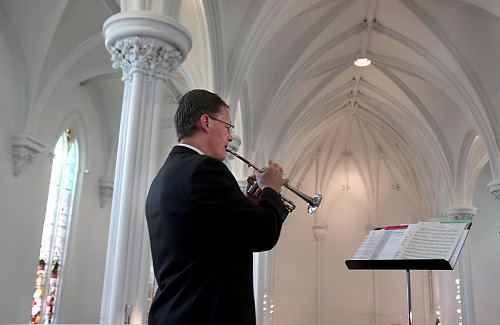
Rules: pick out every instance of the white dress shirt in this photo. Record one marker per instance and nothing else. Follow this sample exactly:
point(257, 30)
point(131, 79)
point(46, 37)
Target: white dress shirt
point(191, 147)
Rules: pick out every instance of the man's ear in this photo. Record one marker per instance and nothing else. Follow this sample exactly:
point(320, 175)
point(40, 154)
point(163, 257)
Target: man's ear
point(205, 123)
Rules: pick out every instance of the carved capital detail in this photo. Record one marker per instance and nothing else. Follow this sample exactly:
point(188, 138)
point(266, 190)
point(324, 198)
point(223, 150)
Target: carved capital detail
point(154, 58)
point(24, 150)
point(364, 25)
point(494, 188)
point(376, 26)
point(22, 158)
point(146, 42)
point(319, 232)
point(174, 99)
point(233, 146)
point(106, 186)
point(347, 153)
point(242, 183)
point(461, 213)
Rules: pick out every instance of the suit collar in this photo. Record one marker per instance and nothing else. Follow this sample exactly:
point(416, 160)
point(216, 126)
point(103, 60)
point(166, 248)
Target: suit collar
point(182, 149)
point(191, 147)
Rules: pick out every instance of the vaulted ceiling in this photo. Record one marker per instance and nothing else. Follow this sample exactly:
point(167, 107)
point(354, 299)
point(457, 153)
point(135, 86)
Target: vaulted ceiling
point(431, 88)
point(397, 141)
point(57, 45)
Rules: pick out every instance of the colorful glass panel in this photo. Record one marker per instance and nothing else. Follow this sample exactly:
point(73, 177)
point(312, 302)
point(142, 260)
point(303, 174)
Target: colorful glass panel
point(54, 236)
point(152, 286)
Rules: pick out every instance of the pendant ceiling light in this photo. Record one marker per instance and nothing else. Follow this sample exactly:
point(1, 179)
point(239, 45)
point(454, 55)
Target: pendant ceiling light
point(362, 62)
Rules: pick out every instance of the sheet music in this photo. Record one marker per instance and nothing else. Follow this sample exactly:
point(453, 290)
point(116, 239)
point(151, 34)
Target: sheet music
point(432, 240)
point(456, 252)
point(368, 245)
point(396, 238)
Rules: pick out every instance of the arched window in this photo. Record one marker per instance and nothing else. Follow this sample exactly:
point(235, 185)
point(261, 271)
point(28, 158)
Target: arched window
point(152, 287)
point(54, 237)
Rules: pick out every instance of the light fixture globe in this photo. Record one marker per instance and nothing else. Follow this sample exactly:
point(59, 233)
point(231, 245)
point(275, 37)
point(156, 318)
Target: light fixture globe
point(362, 62)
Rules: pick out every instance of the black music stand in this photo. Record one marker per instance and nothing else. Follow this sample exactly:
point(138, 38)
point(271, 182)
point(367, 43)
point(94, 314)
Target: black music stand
point(405, 264)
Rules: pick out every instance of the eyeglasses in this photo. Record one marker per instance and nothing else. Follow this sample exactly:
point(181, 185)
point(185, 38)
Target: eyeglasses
point(230, 127)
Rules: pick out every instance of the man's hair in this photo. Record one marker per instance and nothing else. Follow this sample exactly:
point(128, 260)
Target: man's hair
point(192, 106)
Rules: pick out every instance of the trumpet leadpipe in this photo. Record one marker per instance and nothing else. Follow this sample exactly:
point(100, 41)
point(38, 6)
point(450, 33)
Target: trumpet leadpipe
point(314, 202)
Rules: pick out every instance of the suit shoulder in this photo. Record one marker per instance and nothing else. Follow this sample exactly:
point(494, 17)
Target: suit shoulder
point(204, 161)
point(211, 167)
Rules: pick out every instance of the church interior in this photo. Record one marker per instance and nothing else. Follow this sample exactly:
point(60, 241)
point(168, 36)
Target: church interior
point(389, 108)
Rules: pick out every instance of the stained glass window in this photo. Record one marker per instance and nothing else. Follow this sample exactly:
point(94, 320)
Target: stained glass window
point(54, 236)
point(152, 287)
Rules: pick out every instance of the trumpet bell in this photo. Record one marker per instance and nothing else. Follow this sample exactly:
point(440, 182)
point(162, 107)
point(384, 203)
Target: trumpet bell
point(316, 201)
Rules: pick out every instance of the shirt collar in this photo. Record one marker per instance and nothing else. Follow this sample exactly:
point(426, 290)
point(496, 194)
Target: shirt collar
point(191, 147)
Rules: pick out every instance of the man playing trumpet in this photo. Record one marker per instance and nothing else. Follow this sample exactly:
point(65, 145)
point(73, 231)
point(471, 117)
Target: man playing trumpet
point(202, 228)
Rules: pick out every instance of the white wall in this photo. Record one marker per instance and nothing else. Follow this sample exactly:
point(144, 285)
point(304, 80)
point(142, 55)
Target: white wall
point(22, 206)
point(23, 200)
point(346, 296)
point(485, 252)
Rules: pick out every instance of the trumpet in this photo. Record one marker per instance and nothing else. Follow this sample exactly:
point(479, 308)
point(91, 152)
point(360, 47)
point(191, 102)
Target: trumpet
point(314, 201)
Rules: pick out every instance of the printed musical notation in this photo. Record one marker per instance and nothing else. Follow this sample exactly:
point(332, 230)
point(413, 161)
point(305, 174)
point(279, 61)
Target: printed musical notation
point(425, 240)
point(433, 240)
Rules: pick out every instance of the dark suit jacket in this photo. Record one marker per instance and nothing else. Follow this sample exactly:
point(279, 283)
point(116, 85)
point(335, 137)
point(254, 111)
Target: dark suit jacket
point(203, 231)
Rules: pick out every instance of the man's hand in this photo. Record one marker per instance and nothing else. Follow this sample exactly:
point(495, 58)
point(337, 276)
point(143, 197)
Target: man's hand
point(253, 190)
point(271, 176)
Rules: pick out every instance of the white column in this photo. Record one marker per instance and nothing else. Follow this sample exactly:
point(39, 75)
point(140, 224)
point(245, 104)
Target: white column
point(464, 268)
point(319, 232)
point(147, 46)
point(264, 301)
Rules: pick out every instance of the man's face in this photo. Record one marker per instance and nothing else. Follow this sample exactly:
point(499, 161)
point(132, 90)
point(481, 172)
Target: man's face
point(221, 135)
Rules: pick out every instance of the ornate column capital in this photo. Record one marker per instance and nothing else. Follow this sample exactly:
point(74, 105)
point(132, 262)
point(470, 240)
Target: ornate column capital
point(146, 42)
point(229, 161)
point(233, 146)
point(376, 26)
point(24, 149)
point(494, 188)
point(242, 183)
point(319, 232)
point(106, 186)
point(146, 55)
point(461, 212)
point(347, 153)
